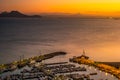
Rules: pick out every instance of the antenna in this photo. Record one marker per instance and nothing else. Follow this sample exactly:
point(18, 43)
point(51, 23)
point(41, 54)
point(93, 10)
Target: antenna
point(40, 53)
point(83, 52)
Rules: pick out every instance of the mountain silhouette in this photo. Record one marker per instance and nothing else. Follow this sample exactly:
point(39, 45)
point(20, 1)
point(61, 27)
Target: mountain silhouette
point(16, 14)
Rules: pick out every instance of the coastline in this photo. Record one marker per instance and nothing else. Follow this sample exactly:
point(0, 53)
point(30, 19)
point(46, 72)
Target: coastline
point(101, 66)
point(36, 62)
point(23, 62)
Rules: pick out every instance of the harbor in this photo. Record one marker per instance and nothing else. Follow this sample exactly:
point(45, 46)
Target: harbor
point(46, 69)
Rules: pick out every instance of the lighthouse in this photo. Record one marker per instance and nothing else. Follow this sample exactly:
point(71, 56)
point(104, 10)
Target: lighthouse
point(83, 55)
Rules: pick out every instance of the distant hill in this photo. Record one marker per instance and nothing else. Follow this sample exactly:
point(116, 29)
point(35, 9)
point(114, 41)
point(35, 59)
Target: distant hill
point(17, 14)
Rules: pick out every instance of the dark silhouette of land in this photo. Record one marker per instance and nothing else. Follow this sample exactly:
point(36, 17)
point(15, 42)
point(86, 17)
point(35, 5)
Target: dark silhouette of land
point(115, 64)
point(18, 14)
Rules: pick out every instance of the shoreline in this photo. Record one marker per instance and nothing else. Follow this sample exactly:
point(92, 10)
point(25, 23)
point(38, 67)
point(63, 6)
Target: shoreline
point(33, 61)
point(99, 65)
point(23, 62)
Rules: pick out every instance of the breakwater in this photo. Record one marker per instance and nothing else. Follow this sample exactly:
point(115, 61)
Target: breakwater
point(23, 62)
point(103, 67)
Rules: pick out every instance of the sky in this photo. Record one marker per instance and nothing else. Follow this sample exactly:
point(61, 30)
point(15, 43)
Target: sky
point(93, 7)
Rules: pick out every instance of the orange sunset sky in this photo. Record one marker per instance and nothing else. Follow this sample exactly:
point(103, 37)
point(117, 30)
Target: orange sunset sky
point(92, 7)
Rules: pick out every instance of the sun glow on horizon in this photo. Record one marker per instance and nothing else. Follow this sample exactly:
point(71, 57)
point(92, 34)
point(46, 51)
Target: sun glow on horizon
point(94, 7)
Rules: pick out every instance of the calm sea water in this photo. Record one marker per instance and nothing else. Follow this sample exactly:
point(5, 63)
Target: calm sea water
point(100, 38)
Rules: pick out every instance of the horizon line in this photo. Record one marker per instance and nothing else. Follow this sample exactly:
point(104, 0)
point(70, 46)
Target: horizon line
point(93, 13)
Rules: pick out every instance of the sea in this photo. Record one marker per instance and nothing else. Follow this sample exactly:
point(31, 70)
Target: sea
point(28, 37)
